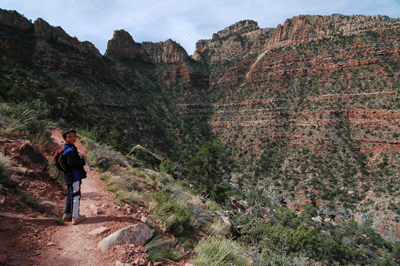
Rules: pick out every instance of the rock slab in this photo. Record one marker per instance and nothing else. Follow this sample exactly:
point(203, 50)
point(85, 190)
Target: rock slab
point(136, 234)
point(49, 207)
point(100, 231)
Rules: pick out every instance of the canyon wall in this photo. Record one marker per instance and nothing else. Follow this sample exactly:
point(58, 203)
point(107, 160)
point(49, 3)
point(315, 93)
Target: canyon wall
point(306, 110)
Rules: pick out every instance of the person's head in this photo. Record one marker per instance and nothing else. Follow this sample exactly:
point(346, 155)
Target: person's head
point(69, 135)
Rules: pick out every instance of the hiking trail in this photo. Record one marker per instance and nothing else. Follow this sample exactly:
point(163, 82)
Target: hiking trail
point(72, 244)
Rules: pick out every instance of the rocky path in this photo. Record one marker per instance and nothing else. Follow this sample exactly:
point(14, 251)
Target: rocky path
point(73, 244)
point(31, 237)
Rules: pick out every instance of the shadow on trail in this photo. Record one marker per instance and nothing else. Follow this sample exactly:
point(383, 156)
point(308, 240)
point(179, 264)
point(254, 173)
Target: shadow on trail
point(91, 196)
point(101, 219)
point(62, 261)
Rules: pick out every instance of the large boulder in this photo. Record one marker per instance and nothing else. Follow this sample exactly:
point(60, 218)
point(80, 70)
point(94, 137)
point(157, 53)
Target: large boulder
point(137, 234)
point(32, 155)
point(49, 207)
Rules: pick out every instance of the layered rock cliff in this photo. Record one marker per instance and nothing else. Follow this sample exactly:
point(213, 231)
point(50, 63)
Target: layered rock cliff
point(310, 86)
point(44, 30)
point(303, 29)
point(122, 46)
point(14, 19)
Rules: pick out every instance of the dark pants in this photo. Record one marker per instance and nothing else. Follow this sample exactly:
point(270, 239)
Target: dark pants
point(73, 199)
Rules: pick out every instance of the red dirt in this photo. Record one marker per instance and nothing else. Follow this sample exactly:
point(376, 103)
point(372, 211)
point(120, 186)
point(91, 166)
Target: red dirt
point(31, 239)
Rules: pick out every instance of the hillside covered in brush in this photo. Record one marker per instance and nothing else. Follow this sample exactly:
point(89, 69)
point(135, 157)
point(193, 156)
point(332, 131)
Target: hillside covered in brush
point(307, 112)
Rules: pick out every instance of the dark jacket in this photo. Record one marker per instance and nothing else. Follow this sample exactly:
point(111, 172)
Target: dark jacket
point(75, 163)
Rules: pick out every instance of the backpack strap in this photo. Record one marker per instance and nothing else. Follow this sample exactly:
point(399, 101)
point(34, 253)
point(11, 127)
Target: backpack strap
point(67, 149)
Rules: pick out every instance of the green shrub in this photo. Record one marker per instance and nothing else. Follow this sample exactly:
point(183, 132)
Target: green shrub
point(41, 138)
point(199, 217)
point(219, 252)
point(132, 197)
point(217, 228)
point(267, 258)
point(11, 125)
point(60, 220)
point(173, 255)
point(27, 198)
point(176, 218)
point(212, 206)
point(105, 177)
point(116, 184)
point(157, 249)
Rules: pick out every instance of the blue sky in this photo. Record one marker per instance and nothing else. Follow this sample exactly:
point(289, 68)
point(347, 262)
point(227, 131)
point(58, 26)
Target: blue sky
point(184, 21)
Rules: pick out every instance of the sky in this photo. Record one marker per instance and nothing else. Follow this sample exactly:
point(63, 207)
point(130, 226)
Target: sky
point(184, 21)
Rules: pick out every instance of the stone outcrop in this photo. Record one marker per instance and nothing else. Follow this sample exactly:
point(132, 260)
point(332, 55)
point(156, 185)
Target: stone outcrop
point(240, 40)
point(200, 44)
point(49, 207)
point(122, 46)
point(303, 29)
point(240, 27)
point(165, 52)
point(137, 149)
point(136, 234)
point(14, 19)
point(46, 31)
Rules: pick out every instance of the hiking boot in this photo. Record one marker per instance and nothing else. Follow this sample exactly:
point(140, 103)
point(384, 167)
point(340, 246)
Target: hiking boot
point(80, 218)
point(67, 217)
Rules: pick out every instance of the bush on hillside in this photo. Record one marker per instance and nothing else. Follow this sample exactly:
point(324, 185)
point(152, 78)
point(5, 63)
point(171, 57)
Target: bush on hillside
point(176, 218)
point(205, 173)
point(221, 252)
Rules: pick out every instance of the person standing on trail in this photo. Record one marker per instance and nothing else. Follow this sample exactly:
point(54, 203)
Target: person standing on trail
point(73, 176)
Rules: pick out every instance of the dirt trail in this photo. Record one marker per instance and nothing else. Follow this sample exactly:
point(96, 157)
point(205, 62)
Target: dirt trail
point(72, 244)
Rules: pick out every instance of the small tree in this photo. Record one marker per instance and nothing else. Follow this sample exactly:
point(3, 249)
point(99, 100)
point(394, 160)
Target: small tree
point(205, 170)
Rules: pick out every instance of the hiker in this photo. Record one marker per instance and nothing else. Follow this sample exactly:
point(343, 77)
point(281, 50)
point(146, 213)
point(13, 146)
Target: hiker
point(73, 176)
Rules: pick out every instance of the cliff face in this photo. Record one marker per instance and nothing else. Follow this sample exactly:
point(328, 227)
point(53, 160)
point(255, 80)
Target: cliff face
point(240, 40)
point(303, 29)
point(122, 46)
point(14, 19)
point(309, 86)
point(44, 30)
point(306, 110)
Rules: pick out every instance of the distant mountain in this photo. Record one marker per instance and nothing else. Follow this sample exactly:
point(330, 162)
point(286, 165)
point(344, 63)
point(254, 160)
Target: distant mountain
point(308, 112)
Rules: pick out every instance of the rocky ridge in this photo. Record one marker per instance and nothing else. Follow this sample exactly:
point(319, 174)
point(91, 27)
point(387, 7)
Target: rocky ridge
point(122, 46)
point(14, 19)
point(303, 29)
point(46, 31)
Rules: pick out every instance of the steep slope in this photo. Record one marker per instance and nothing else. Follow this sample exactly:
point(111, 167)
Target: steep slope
point(313, 114)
